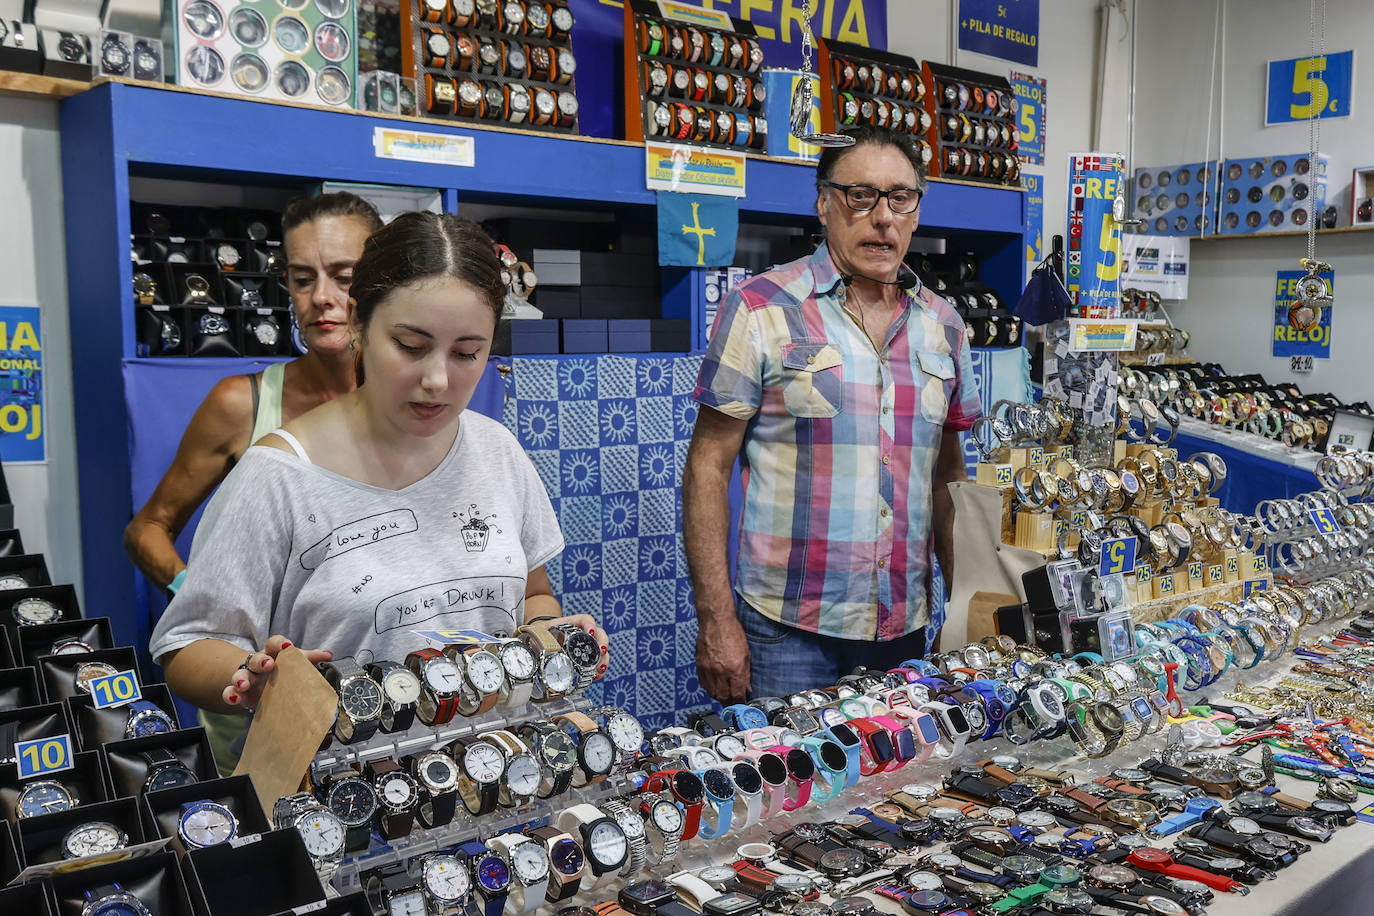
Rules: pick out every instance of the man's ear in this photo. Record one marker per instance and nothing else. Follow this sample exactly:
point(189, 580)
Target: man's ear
point(822, 205)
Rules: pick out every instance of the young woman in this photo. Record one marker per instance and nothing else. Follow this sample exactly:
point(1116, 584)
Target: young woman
point(385, 510)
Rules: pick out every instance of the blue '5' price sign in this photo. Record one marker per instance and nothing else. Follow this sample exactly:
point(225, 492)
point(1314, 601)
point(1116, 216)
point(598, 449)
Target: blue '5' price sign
point(1325, 520)
point(1118, 556)
point(118, 689)
point(43, 755)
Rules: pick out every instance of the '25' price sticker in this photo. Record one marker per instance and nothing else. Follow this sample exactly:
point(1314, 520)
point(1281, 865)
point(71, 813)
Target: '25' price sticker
point(43, 755)
point(118, 689)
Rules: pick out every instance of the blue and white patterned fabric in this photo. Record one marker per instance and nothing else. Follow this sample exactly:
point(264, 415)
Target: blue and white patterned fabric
point(609, 436)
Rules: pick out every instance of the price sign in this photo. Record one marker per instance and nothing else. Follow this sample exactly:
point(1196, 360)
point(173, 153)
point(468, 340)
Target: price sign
point(1154, 359)
point(113, 690)
point(1261, 564)
point(1195, 570)
point(1080, 520)
point(1036, 457)
point(1301, 364)
point(43, 755)
point(1301, 87)
point(1214, 574)
point(1143, 574)
point(1254, 585)
point(1004, 475)
point(1165, 585)
point(1325, 520)
point(1118, 556)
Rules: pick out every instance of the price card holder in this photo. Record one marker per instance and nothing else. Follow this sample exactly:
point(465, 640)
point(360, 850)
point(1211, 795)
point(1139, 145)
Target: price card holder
point(1166, 585)
point(1255, 585)
point(42, 756)
point(1196, 575)
point(1215, 576)
point(115, 690)
point(1232, 567)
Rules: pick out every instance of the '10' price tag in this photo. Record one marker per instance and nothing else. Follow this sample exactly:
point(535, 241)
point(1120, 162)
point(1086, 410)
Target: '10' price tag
point(118, 689)
point(43, 755)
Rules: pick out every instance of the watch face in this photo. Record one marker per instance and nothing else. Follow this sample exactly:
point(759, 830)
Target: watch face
point(442, 676)
point(529, 863)
point(204, 19)
point(353, 799)
point(401, 685)
point(558, 668)
point(484, 672)
point(205, 66)
point(397, 790)
point(607, 843)
point(522, 775)
point(562, 19)
point(559, 751)
point(717, 784)
point(598, 753)
point(446, 879)
point(666, 817)
point(483, 762)
point(170, 777)
point(31, 611)
point(361, 698)
point(438, 772)
point(208, 824)
point(92, 839)
point(793, 883)
point(518, 660)
point(322, 832)
point(566, 857)
point(43, 797)
point(492, 874)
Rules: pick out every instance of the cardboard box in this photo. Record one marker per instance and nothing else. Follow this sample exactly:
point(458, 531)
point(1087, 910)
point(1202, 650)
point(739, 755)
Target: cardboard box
point(621, 301)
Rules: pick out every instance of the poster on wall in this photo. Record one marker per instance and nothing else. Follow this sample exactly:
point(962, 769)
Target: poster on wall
point(1035, 216)
point(1093, 268)
point(1009, 29)
point(1030, 117)
point(1288, 340)
point(21, 385)
point(1304, 87)
point(1156, 262)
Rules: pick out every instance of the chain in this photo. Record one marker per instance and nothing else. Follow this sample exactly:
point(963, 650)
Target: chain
point(1314, 119)
point(807, 39)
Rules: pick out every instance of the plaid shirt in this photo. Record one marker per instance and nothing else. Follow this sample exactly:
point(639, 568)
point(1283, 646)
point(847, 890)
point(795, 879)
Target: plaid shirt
point(835, 537)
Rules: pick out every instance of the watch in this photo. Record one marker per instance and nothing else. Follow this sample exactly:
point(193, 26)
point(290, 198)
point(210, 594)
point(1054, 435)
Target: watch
point(603, 840)
point(354, 801)
point(530, 870)
point(567, 862)
point(113, 900)
point(444, 883)
point(321, 830)
point(556, 754)
point(206, 823)
point(517, 661)
point(554, 675)
point(360, 700)
point(165, 771)
point(596, 752)
point(482, 679)
point(147, 718)
point(398, 797)
point(686, 788)
point(401, 689)
point(44, 796)
point(92, 839)
point(441, 679)
point(481, 763)
point(664, 822)
point(491, 876)
point(437, 775)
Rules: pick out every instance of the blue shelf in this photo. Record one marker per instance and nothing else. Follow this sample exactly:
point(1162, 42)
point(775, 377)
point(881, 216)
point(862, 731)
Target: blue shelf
point(116, 130)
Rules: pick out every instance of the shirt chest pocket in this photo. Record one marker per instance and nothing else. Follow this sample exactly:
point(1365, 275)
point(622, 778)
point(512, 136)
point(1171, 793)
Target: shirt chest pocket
point(937, 381)
point(812, 379)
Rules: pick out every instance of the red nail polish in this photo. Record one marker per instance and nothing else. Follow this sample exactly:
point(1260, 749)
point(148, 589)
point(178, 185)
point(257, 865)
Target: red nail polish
point(605, 650)
point(286, 645)
point(592, 630)
point(602, 669)
point(233, 699)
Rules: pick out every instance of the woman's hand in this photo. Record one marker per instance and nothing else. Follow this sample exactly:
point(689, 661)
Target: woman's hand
point(588, 623)
point(246, 683)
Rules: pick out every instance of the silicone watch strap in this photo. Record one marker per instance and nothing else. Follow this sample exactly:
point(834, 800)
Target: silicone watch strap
point(835, 780)
point(802, 786)
point(523, 898)
point(720, 824)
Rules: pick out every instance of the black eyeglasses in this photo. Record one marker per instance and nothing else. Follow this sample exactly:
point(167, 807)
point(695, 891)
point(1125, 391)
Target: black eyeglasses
point(863, 198)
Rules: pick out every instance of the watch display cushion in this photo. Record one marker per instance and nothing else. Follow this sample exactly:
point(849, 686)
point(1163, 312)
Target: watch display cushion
point(34, 642)
point(233, 792)
point(40, 838)
point(85, 780)
point(129, 770)
point(18, 688)
point(156, 880)
point(57, 673)
point(97, 727)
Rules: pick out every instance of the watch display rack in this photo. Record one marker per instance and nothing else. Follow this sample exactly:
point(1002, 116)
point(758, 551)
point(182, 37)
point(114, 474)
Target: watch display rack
point(692, 84)
point(293, 51)
point(506, 62)
point(988, 320)
point(1177, 199)
point(384, 91)
point(868, 86)
point(208, 282)
point(1271, 193)
point(973, 130)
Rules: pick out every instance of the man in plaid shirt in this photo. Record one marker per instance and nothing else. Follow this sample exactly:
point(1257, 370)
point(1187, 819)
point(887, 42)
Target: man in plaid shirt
point(840, 384)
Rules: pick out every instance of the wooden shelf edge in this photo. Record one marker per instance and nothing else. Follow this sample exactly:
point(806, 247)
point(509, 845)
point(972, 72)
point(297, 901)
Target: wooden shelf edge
point(1287, 234)
point(33, 86)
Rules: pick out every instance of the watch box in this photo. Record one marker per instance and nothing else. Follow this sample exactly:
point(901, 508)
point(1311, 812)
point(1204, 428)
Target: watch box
point(31, 567)
point(387, 92)
point(558, 301)
point(284, 878)
point(154, 879)
point(96, 727)
point(584, 335)
point(292, 52)
point(42, 639)
point(670, 335)
point(1177, 200)
point(127, 767)
point(162, 810)
point(525, 337)
point(30, 899)
point(19, 50)
point(1271, 193)
point(40, 838)
point(45, 720)
point(57, 673)
point(18, 688)
point(86, 780)
point(66, 55)
point(1362, 196)
point(9, 862)
point(628, 335)
point(125, 55)
point(8, 657)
